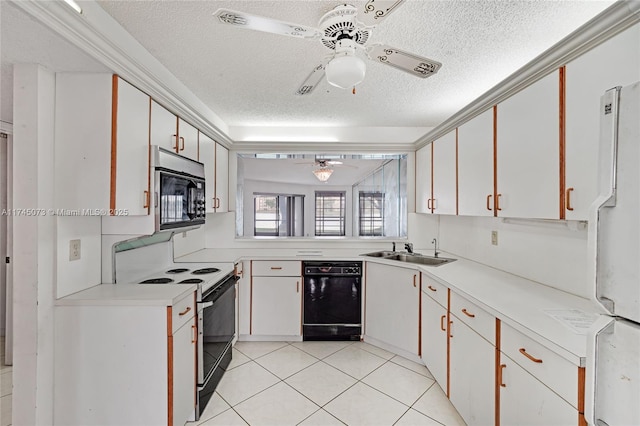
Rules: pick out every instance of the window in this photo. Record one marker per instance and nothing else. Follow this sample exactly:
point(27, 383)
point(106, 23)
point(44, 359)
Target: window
point(278, 215)
point(371, 217)
point(330, 214)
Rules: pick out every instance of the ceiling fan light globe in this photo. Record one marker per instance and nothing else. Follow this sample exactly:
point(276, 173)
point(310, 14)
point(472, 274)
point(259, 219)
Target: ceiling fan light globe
point(345, 72)
point(323, 174)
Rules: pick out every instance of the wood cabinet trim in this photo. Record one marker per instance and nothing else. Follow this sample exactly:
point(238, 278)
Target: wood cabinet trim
point(562, 140)
point(581, 396)
point(149, 193)
point(169, 366)
point(251, 297)
point(498, 377)
point(457, 192)
point(495, 160)
point(420, 317)
point(431, 194)
point(448, 342)
point(114, 140)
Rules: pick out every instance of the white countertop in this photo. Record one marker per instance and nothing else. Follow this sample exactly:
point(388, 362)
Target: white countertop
point(516, 301)
point(128, 295)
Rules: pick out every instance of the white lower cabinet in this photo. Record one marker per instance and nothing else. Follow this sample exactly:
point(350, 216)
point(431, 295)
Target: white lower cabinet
point(124, 364)
point(276, 299)
point(472, 375)
point(525, 400)
point(434, 331)
point(276, 306)
point(392, 306)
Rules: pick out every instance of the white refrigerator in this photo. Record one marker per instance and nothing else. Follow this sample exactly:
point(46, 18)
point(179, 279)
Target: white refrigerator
point(613, 362)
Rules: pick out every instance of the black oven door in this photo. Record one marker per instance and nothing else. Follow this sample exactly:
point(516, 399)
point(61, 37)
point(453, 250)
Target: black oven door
point(216, 321)
point(181, 200)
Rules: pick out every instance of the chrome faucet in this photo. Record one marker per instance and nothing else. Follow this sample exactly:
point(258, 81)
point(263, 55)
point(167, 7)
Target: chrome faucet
point(408, 247)
point(435, 248)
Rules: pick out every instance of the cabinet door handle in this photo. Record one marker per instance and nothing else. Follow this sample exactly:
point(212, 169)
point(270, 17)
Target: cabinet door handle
point(432, 288)
point(297, 286)
point(213, 203)
point(414, 280)
point(434, 203)
point(276, 268)
point(217, 203)
point(488, 202)
point(428, 203)
point(146, 200)
point(194, 334)
point(182, 144)
point(176, 146)
point(186, 311)
point(498, 202)
point(502, 367)
point(442, 323)
point(450, 328)
point(568, 199)
point(470, 315)
point(155, 199)
point(523, 351)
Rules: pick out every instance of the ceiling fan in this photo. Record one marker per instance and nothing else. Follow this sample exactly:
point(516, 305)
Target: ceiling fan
point(344, 30)
point(324, 170)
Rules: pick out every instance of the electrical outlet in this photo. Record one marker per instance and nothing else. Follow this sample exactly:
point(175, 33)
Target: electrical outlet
point(74, 250)
point(494, 238)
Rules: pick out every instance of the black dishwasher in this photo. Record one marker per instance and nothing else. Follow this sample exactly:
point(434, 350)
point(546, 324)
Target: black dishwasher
point(332, 307)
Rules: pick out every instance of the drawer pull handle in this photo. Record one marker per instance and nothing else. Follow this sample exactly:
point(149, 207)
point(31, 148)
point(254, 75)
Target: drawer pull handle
point(276, 268)
point(432, 288)
point(464, 311)
point(502, 367)
point(186, 311)
point(194, 334)
point(488, 200)
point(442, 323)
point(568, 199)
point(523, 351)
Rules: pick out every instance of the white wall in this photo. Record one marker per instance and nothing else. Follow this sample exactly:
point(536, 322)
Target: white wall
point(76, 275)
point(549, 253)
point(34, 245)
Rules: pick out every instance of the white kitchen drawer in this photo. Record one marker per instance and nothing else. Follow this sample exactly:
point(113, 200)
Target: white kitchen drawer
point(182, 311)
point(475, 317)
point(436, 291)
point(276, 268)
point(547, 366)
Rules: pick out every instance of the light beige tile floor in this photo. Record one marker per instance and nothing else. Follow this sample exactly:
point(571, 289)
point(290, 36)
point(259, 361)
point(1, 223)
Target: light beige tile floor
point(326, 383)
point(6, 388)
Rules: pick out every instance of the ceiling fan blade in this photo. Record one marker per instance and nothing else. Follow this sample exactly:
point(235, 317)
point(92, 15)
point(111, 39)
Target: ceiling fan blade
point(413, 64)
point(261, 23)
point(375, 11)
point(312, 81)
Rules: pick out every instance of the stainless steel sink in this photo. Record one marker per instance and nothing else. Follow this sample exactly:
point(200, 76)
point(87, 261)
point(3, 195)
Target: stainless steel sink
point(380, 253)
point(411, 258)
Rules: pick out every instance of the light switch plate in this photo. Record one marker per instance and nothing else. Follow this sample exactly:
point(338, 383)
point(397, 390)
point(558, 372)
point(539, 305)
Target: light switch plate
point(494, 238)
point(74, 250)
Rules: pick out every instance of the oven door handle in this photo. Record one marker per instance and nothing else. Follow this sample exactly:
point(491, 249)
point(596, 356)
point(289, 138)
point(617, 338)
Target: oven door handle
point(205, 304)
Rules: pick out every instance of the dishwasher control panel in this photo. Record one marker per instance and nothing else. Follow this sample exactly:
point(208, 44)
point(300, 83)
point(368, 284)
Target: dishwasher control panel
point(332, 268)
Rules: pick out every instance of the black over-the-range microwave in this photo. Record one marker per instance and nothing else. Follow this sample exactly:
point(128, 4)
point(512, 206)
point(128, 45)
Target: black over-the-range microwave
point(179, 184)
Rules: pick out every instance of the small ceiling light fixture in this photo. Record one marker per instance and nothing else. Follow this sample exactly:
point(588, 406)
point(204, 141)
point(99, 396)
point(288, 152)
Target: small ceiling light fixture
point(74, 5)
point(345, 70)
point(323, 174)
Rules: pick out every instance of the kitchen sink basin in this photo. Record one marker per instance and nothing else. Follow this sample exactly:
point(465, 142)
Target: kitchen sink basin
point(410, 258)
point(381, 254)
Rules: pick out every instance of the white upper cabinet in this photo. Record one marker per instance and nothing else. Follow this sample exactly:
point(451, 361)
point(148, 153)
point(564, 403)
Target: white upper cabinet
point(130, 173)
point(164, 127)
point(616, 62)
point(423, 179)
point(207, 156)
point(222, 179)
point(528, 141)
point(444, 175)
point(187, 140)
point(475, 166)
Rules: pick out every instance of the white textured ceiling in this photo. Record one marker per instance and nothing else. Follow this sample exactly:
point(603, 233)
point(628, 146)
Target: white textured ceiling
point(249, 78)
